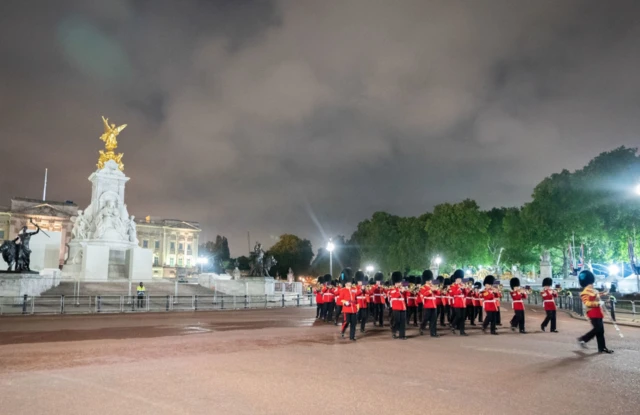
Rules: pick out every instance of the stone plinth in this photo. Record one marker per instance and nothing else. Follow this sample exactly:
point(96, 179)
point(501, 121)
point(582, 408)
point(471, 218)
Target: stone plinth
point(45, 251)
point(139, 261)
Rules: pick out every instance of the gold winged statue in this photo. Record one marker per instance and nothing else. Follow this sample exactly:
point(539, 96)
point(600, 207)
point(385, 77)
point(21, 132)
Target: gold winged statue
point(110, 143)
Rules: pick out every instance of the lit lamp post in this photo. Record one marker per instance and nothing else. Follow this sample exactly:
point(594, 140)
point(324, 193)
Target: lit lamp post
point(330, 248)
point(202, 261)
point(437, 262)
point(370, 269)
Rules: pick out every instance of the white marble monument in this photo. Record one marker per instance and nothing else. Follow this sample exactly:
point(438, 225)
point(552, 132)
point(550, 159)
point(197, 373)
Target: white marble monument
point(290, 277)
point(104, 242)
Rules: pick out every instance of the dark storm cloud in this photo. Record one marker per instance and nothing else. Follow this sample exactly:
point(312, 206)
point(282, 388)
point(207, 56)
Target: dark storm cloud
point(258, 116)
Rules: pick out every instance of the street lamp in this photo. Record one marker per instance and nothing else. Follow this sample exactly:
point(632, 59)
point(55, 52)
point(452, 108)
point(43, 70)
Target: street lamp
point(613, 269)
point(438, 260)
point(202, 261)
point(330, 248)
point(370, 269)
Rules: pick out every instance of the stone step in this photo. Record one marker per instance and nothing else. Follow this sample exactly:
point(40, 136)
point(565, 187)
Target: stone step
point(67, 288)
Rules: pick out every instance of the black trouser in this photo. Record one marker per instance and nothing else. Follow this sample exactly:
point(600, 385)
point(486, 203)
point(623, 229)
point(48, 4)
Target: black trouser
point(459, 318)
point(328, 316)
point(363, 316)
point(412, 312)
point(498, 319)
point(551, 317)
point(140, 301)
point(430, 316)
point(399, 323)
point(319, 310)
point(471, 314)
point(478, 313)
point(490, 319)
point(420, 312)
point(518, 320)
point(338, 312)
point(597, 332)
point(379, 317)
point(446, 312)
point(441, 313)
point(350, 320)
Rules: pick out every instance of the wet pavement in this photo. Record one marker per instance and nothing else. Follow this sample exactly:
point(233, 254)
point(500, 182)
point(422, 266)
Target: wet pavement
point(283, 361)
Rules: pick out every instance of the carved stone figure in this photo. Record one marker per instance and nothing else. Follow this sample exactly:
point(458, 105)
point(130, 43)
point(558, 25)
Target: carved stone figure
point(269, 263)
point(80, 226)
point(109, 219)
point(133, 235)
point(290, 276)
point(545, 257)
point(257, 263)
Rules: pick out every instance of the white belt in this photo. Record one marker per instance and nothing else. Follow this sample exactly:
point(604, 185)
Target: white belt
point(548, 301)
point(378, 295)
point(517, 301)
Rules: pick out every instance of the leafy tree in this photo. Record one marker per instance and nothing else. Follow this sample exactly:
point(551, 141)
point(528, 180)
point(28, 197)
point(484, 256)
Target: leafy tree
point(291, 252)
point(244, 263)
point(459, 233)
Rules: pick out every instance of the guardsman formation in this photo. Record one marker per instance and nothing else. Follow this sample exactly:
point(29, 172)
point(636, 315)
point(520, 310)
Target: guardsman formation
point(420, 301)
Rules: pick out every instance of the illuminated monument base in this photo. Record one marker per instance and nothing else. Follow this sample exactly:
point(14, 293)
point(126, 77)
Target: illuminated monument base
point(104, 244)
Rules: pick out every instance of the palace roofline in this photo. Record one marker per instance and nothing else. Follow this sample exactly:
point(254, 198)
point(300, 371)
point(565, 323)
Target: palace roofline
point(47, 202)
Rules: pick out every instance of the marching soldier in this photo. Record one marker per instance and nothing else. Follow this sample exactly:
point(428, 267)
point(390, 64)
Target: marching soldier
point(339, 286)
point(412, 305)
point(347, 298)
point(362, 298)
point(398, 305)
point(498, 294)
point(378, 300)
point(439, 298)
point(430, 310)
point(317, 291)
point(328, 298)
point(446, 306)
point(518, 295)
point(591, 299)
point(459, 304)
point(468, 294)
point(548, 301)
point(477, 301)
point(489, 304)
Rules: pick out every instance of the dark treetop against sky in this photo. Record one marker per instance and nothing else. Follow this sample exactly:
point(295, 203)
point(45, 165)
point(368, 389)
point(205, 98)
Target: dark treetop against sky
point(308, 116)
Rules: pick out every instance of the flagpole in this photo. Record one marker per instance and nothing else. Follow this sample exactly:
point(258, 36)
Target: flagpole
point(44, 191)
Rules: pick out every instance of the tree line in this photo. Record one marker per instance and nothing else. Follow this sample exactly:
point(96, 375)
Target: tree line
point(597, 207)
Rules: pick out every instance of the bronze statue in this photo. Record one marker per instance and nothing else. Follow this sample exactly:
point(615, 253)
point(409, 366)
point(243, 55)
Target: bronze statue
point(110, 143)
point(17, 252)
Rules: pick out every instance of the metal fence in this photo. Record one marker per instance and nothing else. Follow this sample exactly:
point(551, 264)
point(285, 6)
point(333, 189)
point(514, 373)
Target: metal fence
point(127, 304)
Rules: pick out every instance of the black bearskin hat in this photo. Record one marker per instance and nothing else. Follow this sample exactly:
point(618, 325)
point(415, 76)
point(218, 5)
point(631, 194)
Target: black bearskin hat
point(447, 282)
point(366, 280)
point(412, 279)
point(387, 283)
point(359, 276)
point(471, 280)
point(489, 280)
point(457, 274)
point(379, 276)
point(345, 275)
point(585, 278)
point(514, 282)
point(477, 284)
point(547, 282)
point(440, 279)
point(427, 275)
point(327, 278)
point(396, 277)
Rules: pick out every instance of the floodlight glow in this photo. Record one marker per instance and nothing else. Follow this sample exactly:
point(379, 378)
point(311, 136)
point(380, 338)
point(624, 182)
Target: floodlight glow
point(203, 260)
point(613, 269)
point(330, 246)
point(370, 268)
point(438, 260)
point(468, 272)
point(638, 189)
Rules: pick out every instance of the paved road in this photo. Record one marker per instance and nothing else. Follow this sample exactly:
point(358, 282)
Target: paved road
point(284, 362)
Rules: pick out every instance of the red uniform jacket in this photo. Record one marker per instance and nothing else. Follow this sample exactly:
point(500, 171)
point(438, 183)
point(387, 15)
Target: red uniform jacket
point(396, 299)
point(411, 298)
point(347, 299)
point(428, 297)
point(591, 300)
point(518, 299)
point(318, 294)
point(438, 294)
point(477, 302)
point(548, 299)
point(468, 293)
point(458, 296)
point(489, 301)
point(498, 296)
point(362, 298)
point(378, 295)
point(329, 296)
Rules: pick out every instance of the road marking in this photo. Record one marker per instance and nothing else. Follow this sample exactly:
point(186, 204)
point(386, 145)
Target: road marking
point(512, 351)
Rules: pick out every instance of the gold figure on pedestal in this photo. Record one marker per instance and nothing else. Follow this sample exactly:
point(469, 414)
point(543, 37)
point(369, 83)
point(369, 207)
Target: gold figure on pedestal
point(110, 143)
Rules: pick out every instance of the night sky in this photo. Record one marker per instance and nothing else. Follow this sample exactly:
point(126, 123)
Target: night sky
point(306, 117)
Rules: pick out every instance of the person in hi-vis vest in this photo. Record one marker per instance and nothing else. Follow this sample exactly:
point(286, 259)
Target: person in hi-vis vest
point(141, 289)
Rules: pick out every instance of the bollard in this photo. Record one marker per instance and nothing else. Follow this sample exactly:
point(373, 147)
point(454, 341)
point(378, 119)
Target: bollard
point(24, 304)
point(282, 300)
point(62, 304)
point(222, 303)
point(613, 308)
point(298, 301)
point(245, 301)
point(168, 301)
point(98, 304)
point(633, 307)
point(195, 303)
point(310, 300)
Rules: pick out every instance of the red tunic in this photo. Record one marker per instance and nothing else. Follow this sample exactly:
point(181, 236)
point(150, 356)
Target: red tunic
point(548, 299)
point(468, 293)
point(347, 299)
point(477, 302)
point(396, 299)
point(591, 299)
point(378, 295)
point(411, 298)
point(438, 295)
point(458, 296)
point(428, 297)
point(318, 294)
point(363, 299)
point(518, 298)
point(489, 301)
